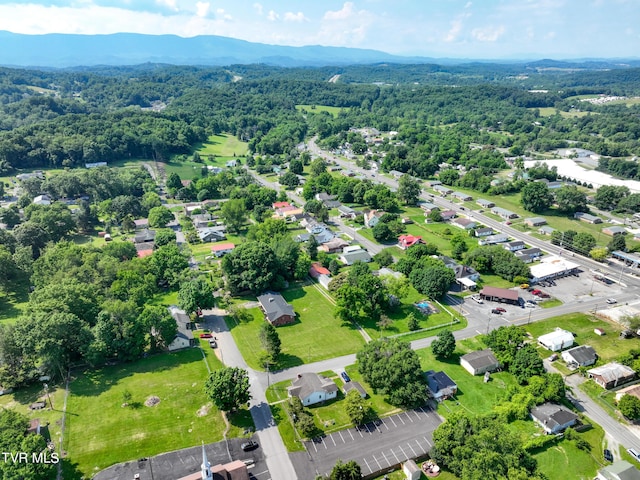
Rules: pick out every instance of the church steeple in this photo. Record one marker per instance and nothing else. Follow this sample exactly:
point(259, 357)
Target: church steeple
point(205, 468)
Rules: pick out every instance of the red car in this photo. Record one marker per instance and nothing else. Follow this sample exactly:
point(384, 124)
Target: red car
point(536, 292)
point(206, 335)
point(500, 309)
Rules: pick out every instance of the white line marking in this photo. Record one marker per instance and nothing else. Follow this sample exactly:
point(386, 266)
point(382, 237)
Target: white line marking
point(379, 466)
point(414, 452)
point(325, 445)
point(339, 433)
point(403, 452)
point(400, 418)
point(350, 434)
point(394, 454)
point(394, 423)
point(408, 416)
point(314, 446)
point(386, 459)
point(427, 440)
point(365, 461)
point(334, 442)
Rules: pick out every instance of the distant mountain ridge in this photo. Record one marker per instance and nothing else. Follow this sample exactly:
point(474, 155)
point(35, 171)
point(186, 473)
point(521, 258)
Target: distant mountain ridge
point(71, 50)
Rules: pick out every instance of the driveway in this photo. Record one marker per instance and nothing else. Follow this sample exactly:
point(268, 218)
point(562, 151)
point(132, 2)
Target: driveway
point(376, 446)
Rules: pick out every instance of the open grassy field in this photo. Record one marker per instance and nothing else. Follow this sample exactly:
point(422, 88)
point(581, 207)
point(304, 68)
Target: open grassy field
point(13, 299)
point(334, 111)
point(101, 432)
point(550, 111)
point(316, 334)
point(224, 145)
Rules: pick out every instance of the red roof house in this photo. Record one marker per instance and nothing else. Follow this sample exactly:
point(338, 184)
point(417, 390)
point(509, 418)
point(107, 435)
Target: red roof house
point(317, 269)
point(221, 249)
point(277, 205)
point(145, 253)
point(406, 241)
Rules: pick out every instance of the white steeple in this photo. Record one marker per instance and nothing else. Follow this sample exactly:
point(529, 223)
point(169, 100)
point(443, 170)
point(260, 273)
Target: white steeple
point(205, 468)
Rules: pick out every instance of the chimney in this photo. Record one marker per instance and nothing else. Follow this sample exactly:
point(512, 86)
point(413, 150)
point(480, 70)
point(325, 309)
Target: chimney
point(271, 299)
point(299, 375)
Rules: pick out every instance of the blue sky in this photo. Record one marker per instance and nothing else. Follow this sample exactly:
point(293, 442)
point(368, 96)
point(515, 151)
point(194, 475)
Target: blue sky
point(487, 29)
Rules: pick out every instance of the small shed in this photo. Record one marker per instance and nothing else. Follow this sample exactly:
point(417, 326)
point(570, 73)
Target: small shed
point(411, 470)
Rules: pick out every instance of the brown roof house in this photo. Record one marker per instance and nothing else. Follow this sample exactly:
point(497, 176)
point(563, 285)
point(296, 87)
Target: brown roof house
point(495, 294)
point(276, 309)
point(611, 375)
point(312, 388)
point(479, 362)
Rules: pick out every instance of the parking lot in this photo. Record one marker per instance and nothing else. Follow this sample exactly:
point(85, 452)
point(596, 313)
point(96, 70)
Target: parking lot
point(376, 446)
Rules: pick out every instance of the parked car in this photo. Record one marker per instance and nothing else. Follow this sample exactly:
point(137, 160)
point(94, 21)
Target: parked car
point(345, 377)
point(611, 301)
point(535, 291)
point(608, 456)
point(250, 445)
point(524, 286)
point(501, 310)
point(633, 453)
point(213, 344)
point(206, 335)
point(496, 311)
point(477, 298)
point(544, 295)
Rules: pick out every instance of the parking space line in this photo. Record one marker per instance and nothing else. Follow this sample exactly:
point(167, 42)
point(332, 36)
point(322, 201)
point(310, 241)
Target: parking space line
point(394, 454)
point(428, 442)
point(360, 432)
point(331, 437)
point(414, 452)
point(350, 434)
point(367, 427)
point(325, 445)
point(379, 466)
point(314, 446)
point(408, 417)
point(340, 433)
point(385, 424)
point(403, 452)
point(365, 461)
point(416, 414)
point(394, 423)
point(418, 443)
point(400, 418)
point(377, 428)
point(386, 459)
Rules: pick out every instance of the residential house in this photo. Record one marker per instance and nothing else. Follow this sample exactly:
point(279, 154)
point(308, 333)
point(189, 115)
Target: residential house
point(443, 190)
point(479, 362)
point(353, 256)
point(440, 385)
point(553, 418)
point(611, 375)
point(276, 309)
point(462, 196)
point(316, 269)
point(145, 236)
point(546, 230)
point(222, 249)
point(514, 246)
point(395, 173)
point(502, 295)
point(184, 335)
point(428, 207)
point(586, 217)
point(528, 255)
point(493, 239)
point(231, 163)
point(448, 215)
point(212, 234)
point(347, 212)
point(352, 385)
point(580, 356)
point(285, 212)
point(372, 217)
point(613, 231)
point(312, 388)
point(483, 232)
point(504, 213)
point(42, 200)
point(633, 390)
point(141, 223)
point(465, 275)
point(277, 205)
point(26, 176)
point(201, 220)
point(324, 197)
point(556, 340)
point(535, 222)
point(144, 252)
point(335, 245)
point(619, 470)
point(346, 173)
point(406, 241)
point(464, 223)
point(433, 183)
point(485, 203)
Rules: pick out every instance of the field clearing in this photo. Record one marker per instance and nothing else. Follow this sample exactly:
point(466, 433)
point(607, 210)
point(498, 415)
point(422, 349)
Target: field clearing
point(101, 432)
point(13, 300)
point(550, 111)
point(224, 145)
point(316, 335)
point(334, 111)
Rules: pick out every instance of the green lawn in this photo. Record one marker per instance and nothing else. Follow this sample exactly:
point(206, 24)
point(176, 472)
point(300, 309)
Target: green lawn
point(13, 299)
point(608, 346)
point(223, 145)
point(316, 334)
point(334, 111)
point(100, 432)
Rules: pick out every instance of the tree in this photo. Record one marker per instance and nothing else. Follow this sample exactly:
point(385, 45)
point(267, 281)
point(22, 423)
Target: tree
point(458, 245)
point(629, 406)
point(599, 254)
point(234, 214)
point(268, 230)
point(318, 167)
point(164, 236)
point(159, 325)
point(618, 242)
point(312, 247)
point(289, 180)
point(174, 183)
point(383, 257)
point(128, 224)
point(296, 166)
point(408, 190)
point(117, 333)
point(228, 388)
point(393, 369)
point(383, 233)
point(270, 341)
point(250, 266)
point(10, 216)
point(526, 363)
point(449, 176)
point(505, 342)
point(30, 234)
point(346, 471)
point(444, 344)
point(412, 322)
point(195, 295)
point(571, 200)
point(167, 264)
point(433, 280)
point(355, 407)
point(160, 216)
point(536, 197)
point(583, 243)
point(435, 216)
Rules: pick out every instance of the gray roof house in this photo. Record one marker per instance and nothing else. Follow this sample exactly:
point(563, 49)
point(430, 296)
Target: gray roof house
point(276, 309)
point(535, 221)
point(614, 230)
point(483, 232)
point(312, 388)
point(145, 236)
point(546, 230)
point(611, 375)
point(493, 239)
point(465, 197)
point(485, 203)
point(353, 256)
point(586, 217)
point(464, 223)
point(580, 356)
point(352, 385)
point(211, 234)
point(184, 334)
point(553, 418)
point(479, 362)
point(440, 385)
point(428, 207)
point(442, 189)
point(514, 246)
point(504, 213)
point(619, 470)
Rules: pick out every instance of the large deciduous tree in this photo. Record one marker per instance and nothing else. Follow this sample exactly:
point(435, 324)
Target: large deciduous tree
point(270, 341)
point(432, 280)
point(536, 197)
point(571, 200)
point(234, 214)
point(160, 216)
point(393, 369)
point(228, 388)
point(355, 408)
point(526, 363)
point(250, 266)
point(160, 326)
point(346, 471)
point(408, 190)
point(195, 294)
point(444, 344)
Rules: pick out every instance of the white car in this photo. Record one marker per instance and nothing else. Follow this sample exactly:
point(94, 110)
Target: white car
point(611, 301)
point(477, 298)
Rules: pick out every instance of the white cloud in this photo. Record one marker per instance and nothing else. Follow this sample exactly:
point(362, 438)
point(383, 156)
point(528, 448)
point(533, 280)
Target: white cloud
point(272, 16)
point(169, 4)
point(258, 8)
point(487, 34)
point(220, 13)
point(295, 17)
point(454, 31)
point(202, 8)
point(343, 14)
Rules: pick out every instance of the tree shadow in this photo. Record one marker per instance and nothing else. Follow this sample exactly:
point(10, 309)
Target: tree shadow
point(286, 360)
point(242, 419)
point(70, 470)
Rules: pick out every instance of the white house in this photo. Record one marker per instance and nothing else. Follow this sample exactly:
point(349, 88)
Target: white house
point(184, 335)
point(312, 388)
point(42, 200)
point(580, 356)
point(479, 362)
point(556, 340)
